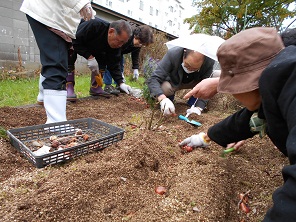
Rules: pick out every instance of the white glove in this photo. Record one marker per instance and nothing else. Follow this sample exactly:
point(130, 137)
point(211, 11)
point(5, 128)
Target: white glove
point(126, 88)
point(195, 141)
point(167, 106)
point(193, 109)
point(136, 74)
point(87, 13)
point(93, 65)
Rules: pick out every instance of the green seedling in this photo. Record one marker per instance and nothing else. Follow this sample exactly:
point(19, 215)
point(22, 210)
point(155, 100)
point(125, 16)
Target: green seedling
point(229, 150)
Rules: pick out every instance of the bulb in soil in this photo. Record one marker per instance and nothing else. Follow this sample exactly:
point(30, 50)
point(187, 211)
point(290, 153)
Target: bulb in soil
point(160, 190)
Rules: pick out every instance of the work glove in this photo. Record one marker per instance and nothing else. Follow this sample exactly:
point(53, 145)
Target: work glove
point(195, 141)
point(93, 65)
point(193, 109)
point(136, 74)
point(87, 13)
point(167, 107)
point(126, 88)
point(99, 78)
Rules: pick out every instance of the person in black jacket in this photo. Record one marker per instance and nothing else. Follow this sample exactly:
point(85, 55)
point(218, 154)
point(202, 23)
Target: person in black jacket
point(289, 37)
point(99, 42)
point(142, 37)
point(179, 69)
point(260, 72)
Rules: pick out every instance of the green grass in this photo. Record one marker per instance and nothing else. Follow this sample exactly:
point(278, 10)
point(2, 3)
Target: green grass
point(21, 92)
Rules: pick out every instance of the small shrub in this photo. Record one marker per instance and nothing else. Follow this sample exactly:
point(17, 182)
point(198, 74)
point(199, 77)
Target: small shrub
point(156, 50)
point(149, 65)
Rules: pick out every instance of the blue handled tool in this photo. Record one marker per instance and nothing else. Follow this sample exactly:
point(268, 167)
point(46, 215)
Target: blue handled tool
point(192, 122)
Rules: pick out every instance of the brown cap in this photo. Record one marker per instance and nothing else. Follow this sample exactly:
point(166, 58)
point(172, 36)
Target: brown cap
point(244, 56)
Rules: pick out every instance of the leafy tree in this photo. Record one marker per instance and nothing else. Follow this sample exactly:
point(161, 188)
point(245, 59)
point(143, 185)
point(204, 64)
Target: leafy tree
point(228, 17)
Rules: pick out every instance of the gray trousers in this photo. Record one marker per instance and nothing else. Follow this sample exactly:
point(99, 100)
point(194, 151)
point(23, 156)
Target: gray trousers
point(169, 90)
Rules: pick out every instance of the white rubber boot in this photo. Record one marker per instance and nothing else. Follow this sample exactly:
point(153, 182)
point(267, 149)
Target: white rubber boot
point(55, 105)
point(40, 94)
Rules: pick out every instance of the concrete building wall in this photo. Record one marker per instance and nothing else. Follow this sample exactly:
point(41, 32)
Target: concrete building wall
point(17, 42)
point(15, 35)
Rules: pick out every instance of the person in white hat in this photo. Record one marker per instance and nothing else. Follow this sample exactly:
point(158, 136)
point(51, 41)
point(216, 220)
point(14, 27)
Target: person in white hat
point(180, 68)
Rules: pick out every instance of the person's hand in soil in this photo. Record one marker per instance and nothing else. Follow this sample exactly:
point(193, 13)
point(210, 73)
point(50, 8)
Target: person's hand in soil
point(126, 88)
point(167, 107)
point(199, 140)
point(237, 146)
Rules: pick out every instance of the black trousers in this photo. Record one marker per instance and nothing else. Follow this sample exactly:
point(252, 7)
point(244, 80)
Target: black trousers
point(53, 56)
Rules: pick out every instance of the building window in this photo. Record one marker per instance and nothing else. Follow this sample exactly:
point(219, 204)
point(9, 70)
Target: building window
point(171, 8)
point(110, 4)
point(170, 22)
point(180, 13)
point(129, 12)
point(151, 10)
point(141, 5)
point(156, 12)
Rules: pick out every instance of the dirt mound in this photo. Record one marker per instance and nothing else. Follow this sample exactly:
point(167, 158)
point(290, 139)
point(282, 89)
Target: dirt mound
point(118, 183)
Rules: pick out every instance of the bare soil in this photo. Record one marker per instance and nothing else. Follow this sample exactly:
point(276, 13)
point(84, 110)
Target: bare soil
point(118, 183)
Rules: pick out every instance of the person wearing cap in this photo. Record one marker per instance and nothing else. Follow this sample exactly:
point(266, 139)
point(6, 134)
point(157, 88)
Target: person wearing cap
point(207, 88)
point(180, 68)
point(289, 37)
point(260, 72)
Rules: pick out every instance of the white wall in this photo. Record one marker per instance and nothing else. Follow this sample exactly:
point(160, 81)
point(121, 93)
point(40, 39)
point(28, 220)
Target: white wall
point(166, 15)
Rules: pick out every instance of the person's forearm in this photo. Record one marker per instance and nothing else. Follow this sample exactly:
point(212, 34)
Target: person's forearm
point(206, 89)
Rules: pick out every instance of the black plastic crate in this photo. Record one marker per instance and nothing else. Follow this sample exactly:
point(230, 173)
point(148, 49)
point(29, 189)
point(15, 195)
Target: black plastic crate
point(106, 135)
